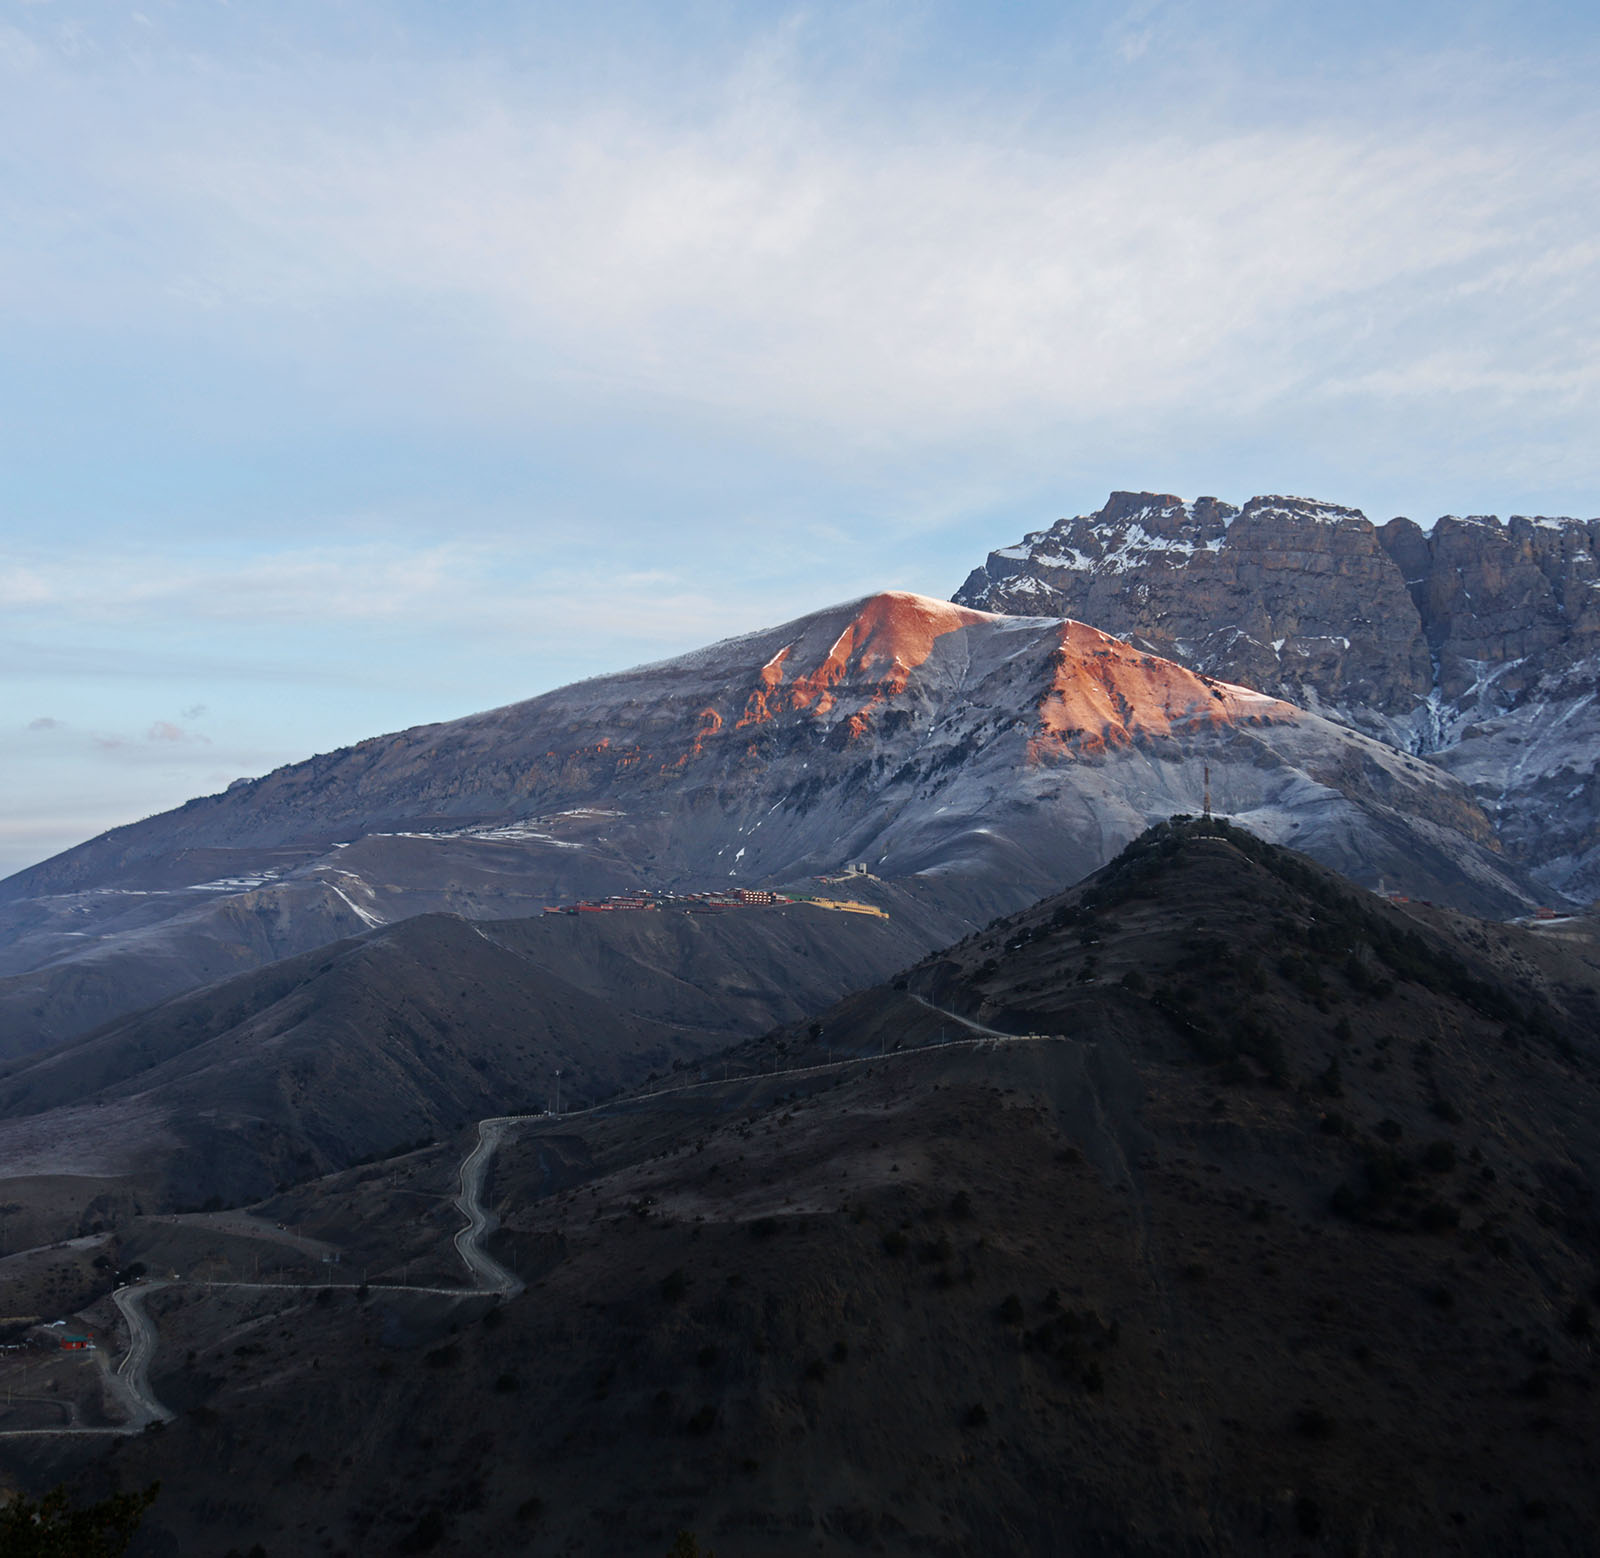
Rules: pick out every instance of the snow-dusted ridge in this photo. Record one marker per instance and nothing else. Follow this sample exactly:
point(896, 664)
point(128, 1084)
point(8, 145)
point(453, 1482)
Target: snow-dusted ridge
point(1474, 641)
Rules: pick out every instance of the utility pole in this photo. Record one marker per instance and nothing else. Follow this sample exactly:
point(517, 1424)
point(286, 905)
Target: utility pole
point(558, 1092)
point(1207, 801)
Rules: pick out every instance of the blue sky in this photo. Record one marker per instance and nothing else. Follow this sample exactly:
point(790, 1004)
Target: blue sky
point(366, 364)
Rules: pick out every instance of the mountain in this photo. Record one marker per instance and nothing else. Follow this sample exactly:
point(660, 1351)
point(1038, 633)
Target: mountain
point(1475, 643)
point(1273, 1232)
point(74, 960)
point(407, 1032)
point(988, 756)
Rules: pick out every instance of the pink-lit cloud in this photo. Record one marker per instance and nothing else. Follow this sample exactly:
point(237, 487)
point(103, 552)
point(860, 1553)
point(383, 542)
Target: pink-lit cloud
point(165, 730)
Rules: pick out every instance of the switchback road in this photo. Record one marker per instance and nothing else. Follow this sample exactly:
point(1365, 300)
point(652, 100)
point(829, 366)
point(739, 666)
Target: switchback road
point(488, 1273)
point(130, 1379)
point(133, 1373)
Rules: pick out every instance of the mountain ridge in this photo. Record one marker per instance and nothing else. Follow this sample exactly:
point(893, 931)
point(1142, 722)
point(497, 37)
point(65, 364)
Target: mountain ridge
point(1474, 643)
point(406, 1031)
point(993, 754)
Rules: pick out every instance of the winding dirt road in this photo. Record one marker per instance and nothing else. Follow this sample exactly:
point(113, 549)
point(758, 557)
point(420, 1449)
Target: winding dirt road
point(129, 1380)
point(488, 1273)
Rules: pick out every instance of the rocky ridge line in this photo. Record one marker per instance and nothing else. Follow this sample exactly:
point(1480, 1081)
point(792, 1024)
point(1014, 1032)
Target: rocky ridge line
point(1476, 643)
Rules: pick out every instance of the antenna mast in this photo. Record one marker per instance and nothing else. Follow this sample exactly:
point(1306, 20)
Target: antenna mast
point(1208, 793)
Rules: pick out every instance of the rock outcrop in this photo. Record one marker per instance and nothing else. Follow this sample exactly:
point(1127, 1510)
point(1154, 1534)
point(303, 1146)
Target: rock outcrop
point(1476, 644)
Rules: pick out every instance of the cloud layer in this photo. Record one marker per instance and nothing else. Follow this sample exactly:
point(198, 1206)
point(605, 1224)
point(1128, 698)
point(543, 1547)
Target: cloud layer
point(794, 262)
point(899, 284)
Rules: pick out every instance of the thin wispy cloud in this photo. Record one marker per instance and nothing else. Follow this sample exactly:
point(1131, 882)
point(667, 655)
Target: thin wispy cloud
point(768, 266)
point(372, 580)
point(165, 730)
point(375, 584)
point(826, 270)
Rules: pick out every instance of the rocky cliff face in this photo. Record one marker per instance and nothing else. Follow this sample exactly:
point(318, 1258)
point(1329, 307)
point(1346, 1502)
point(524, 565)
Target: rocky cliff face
point(1476, 644)
point(1291, 596)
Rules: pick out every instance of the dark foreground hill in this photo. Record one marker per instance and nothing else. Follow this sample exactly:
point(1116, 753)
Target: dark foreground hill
point(1275, 1233)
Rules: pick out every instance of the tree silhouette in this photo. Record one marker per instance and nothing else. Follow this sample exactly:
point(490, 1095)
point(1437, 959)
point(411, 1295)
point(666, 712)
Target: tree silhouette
point(51, 1528)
